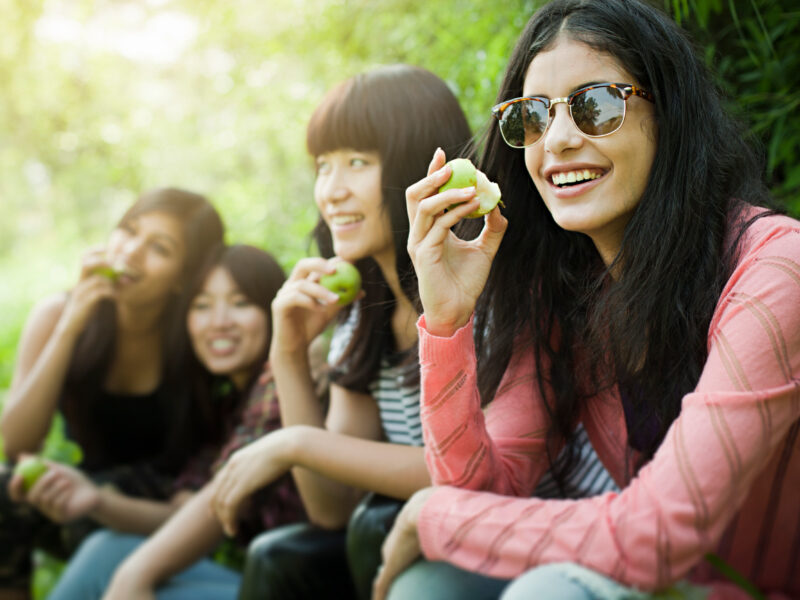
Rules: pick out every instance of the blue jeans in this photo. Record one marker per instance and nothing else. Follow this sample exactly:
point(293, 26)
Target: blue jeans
point(443, 581)
point(89, 572)
point(569, 581)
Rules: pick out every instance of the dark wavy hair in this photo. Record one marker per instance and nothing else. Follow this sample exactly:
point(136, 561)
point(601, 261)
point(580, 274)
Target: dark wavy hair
point(647, 330)
point(259, 277)
point(202, 230)
point(403, 113)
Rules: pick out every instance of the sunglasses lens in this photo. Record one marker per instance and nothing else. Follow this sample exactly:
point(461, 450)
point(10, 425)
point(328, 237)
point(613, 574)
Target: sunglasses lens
point(522, 123)
point(598, 111)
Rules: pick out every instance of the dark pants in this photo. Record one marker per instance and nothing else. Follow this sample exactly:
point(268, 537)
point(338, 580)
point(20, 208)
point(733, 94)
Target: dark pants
point(301, 561)
point(23, 528)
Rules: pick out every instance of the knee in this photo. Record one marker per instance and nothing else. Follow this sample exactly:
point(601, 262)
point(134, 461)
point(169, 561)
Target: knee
point(546, 582)
point(295, 561)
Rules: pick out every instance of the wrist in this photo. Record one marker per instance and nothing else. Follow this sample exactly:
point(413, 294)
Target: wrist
point(444, 328)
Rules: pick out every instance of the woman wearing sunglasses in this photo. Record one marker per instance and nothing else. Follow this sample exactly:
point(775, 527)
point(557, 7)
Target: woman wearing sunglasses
point(634, 286)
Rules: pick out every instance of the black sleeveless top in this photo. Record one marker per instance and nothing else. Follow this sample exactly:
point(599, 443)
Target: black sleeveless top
point(129, 428)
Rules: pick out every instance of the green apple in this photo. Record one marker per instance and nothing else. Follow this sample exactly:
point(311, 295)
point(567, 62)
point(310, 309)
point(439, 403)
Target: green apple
point(345, 281)
point(30, 469)
point(465, 174)
point(106, 271)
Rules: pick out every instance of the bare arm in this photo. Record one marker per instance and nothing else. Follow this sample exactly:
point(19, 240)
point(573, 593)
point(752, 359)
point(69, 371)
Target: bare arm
point(43, 357)
point(188, 536)
point(64, 494)
point(340, 468)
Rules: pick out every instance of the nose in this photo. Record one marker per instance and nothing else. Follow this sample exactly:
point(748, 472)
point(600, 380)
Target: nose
point(133, 246)
point(332, 187)
point(220, 314)
point(562, 133)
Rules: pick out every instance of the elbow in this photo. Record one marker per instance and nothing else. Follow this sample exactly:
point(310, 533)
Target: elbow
point(327, 519)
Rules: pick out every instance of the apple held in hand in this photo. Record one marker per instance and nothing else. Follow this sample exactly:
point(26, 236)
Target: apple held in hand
point(109, 272)
point(465, 174)
point(30, 469)
point(345, 282)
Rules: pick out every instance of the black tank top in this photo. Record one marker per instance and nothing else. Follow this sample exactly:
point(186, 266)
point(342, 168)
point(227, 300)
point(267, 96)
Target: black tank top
point(130, 429)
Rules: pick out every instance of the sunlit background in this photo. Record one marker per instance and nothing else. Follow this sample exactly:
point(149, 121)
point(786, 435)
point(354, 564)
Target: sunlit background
point(100, 100)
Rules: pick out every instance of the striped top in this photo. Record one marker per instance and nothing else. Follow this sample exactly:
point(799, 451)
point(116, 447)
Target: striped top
point(398, 403)
point(726, 478)
point(399, 407)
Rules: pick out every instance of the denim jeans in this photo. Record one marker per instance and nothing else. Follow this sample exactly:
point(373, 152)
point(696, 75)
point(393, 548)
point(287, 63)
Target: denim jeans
point(569, 581)
point(89, 572)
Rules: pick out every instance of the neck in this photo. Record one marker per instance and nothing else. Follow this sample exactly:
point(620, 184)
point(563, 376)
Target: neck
point(141, 320)
point(404, 317)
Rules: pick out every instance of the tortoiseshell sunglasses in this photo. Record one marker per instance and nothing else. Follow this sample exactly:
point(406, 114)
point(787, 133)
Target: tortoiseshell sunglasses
point(597, 110)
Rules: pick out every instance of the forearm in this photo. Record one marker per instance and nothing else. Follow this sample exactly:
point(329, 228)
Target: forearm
point(191, 534)
point(130, 515)
point(29, 409)
point(332, 471)
point(297, 397)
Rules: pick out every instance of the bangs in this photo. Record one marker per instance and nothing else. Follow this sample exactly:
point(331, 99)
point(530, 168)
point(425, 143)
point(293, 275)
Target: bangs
point(346, 118)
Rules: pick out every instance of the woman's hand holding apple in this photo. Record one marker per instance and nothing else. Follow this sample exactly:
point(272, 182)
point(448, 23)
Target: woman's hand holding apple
point(302, 308)
point(62, 493)
point(451, 272)
point(92, 287)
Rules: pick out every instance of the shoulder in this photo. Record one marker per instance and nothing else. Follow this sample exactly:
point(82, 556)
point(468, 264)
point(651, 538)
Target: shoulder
point(46, 313)
point(769, 235)
point(765, 280)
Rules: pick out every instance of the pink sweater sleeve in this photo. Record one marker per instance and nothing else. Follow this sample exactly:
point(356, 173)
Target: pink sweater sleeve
point(500, 450)
point(738, 424)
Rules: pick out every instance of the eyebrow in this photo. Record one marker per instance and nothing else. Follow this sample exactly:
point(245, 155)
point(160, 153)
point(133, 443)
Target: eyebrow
point(575, 89)
point(167, 238)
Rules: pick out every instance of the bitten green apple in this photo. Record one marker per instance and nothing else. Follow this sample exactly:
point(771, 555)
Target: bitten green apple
point(465, 174)
point(345, 281)
point(30, 469)
point(106, 271)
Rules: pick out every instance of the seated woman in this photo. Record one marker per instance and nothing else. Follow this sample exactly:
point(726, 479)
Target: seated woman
point(230, 332)
point(638, 286)
point(370, 137)
point(110, 354)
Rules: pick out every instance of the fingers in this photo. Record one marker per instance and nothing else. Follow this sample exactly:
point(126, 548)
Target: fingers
point(225, 502)
point(313, 268)
point(437, 214)
point(438, 174)
point(493, 231)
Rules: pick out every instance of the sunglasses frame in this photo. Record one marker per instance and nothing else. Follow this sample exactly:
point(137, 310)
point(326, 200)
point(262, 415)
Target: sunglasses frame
point(626, 89)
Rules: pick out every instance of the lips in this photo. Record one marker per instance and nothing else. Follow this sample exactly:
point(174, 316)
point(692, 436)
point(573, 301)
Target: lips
point(342, 220)
point(222, 346)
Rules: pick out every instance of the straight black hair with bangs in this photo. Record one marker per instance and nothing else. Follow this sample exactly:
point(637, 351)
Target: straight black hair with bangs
point(403, 113)
point(259, 277)
point(647, 330)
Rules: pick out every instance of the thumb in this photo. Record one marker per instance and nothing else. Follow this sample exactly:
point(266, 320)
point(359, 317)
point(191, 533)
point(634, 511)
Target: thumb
point(493, 231)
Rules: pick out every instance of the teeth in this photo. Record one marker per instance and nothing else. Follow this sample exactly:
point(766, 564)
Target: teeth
point(222, 344)
point(345, 219)
point(574, 176)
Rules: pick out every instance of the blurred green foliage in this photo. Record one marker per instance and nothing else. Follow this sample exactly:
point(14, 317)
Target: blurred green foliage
point(103, 99)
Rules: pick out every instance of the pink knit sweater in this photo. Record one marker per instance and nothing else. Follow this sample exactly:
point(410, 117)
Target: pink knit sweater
point(726, 478)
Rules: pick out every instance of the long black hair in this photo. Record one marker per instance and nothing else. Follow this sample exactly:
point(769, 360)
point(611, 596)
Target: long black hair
point(647, 330)
point(403, 113)
point(202, 230)
point(259, 277)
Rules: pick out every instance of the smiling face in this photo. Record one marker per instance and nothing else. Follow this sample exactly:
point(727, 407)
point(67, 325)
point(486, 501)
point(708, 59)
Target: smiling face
point(228, 332)
point(149, 250)
point(348, 194)
point(614, 169)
